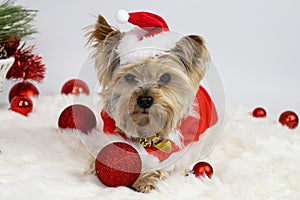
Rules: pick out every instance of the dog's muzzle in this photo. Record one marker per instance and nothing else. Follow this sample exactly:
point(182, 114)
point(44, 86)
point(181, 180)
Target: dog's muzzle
point(145, 101)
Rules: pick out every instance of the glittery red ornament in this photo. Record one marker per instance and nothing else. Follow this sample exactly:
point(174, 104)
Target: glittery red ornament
point(203, 167)
point(10, 45)
point(289, 119)
point(27, 66)
point(78, 117)
point(21, 104)
point(23, 88)
point(118, 164)
point(259, 112)
point(75, 87)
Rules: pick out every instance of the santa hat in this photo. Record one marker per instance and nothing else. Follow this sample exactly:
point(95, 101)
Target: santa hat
point(154, 24)
point(151, 38)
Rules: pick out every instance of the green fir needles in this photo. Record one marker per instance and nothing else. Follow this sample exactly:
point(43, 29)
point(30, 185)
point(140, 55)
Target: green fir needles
point(15, 21)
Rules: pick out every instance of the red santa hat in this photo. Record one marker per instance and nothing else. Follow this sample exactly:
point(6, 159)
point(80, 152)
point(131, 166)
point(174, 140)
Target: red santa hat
point(154, 24)
point(151, 38)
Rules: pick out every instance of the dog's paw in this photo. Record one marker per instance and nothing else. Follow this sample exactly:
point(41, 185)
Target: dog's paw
point(147, 181)
point(91, 169)
point(144, 187)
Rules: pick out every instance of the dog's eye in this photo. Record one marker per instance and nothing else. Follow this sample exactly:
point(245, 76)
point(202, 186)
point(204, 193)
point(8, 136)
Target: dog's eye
point(165, 78)
point(130, 78)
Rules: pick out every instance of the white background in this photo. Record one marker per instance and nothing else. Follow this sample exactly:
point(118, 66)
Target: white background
point(254, 43)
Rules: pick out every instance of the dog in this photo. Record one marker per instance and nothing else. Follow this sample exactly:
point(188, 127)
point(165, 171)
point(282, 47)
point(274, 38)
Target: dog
point(149, 91)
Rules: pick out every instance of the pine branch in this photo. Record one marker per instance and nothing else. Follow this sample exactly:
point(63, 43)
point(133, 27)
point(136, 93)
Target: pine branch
point(16, 21)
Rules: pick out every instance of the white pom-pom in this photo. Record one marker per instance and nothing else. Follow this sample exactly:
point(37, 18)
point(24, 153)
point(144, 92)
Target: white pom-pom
point(122, 16)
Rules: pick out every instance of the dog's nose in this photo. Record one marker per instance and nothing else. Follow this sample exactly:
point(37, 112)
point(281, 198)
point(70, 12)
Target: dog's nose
point(145, 101)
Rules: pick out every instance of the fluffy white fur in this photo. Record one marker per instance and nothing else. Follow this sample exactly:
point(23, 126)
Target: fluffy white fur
point(254, 159)
point(133, 48)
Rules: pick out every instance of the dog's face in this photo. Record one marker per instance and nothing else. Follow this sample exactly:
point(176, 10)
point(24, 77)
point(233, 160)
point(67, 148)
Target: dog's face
point(149, 96)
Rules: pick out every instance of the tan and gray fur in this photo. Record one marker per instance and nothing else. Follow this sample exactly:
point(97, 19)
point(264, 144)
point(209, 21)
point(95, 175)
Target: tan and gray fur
point(170, 80)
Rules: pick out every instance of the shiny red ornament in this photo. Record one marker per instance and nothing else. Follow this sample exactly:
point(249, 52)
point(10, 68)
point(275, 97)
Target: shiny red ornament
point(202, 168)
point(289, 119)
point(75, 87)
point(78, 117)
point(21, 104)
point(23, 88)
point(118, 164)
point(259, 112)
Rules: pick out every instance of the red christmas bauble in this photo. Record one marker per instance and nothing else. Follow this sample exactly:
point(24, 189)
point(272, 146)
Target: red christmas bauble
point(21, 104)
point(75, 87)
point(289, 119)
point(203, 167)
point(23, 88)
point(78, 117)
point(118, 164)
point(259, 112)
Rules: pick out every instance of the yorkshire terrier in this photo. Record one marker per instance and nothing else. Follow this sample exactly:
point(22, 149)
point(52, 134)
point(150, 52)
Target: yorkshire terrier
point(149, 94)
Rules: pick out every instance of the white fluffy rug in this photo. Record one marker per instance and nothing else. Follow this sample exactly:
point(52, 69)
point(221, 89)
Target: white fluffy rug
point(254, 159)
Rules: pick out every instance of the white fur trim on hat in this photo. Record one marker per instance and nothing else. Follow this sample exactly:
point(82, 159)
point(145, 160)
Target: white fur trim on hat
point(122, 16)
point(133, 48)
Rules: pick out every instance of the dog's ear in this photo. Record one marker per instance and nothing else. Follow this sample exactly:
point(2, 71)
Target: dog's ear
point(104, 39)
point(192, 52)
